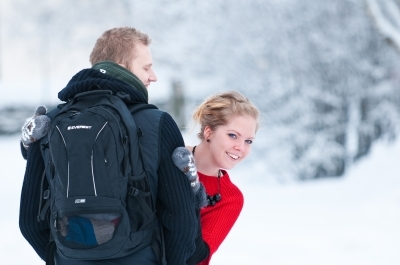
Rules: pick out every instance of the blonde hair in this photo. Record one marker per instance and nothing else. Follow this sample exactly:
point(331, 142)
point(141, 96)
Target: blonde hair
point(118, 45)
point(218, 109)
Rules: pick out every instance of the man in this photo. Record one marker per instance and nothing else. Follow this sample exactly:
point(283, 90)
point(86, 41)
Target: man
point(121, 57)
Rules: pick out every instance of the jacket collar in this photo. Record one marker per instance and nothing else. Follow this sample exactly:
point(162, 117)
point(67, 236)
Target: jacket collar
point(118, 72)
point(103, 78)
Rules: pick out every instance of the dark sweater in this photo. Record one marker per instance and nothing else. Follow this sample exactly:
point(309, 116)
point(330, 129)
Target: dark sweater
point(175, 198)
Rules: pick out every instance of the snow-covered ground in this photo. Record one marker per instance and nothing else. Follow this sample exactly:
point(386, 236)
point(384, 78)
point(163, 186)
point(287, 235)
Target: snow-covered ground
point(347, 221)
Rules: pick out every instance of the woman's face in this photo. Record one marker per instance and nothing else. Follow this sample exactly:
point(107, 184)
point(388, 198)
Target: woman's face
point(231, 143)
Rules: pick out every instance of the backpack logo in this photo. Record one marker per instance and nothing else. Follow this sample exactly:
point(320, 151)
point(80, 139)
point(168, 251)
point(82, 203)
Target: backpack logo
point(80, 200)
point(79, 127)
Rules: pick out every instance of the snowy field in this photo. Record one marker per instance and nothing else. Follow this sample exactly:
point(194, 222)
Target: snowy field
point(347, 221)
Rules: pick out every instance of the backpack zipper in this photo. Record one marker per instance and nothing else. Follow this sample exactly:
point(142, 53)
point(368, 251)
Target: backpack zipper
point(91, 160)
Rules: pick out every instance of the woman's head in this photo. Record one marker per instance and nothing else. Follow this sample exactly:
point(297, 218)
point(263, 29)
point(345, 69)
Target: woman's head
point(218, 109)
point(229, 122)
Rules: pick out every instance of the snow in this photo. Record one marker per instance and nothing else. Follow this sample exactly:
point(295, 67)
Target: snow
point(350, 220)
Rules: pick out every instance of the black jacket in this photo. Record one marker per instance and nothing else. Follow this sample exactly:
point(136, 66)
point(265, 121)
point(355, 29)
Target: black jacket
point(175, 205)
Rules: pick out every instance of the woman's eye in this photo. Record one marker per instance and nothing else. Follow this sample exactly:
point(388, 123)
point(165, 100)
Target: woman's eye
point(249, 141)
point(233, 136)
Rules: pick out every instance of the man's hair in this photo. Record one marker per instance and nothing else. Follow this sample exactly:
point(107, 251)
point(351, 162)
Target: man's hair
point(219, 108)
point(118, 45)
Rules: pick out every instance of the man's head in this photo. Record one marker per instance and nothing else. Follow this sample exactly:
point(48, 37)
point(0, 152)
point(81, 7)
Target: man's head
point(127, 47)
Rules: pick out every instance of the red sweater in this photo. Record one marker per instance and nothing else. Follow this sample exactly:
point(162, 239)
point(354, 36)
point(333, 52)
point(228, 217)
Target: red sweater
point(217, 221)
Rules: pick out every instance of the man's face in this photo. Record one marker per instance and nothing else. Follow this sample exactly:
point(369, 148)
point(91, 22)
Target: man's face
point(141, 66)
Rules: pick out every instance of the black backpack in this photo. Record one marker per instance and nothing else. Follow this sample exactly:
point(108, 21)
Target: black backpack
point(98, 199)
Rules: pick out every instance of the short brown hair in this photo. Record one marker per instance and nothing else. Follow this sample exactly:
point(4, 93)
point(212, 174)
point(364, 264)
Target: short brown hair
point(218, 109)
point(118, 45)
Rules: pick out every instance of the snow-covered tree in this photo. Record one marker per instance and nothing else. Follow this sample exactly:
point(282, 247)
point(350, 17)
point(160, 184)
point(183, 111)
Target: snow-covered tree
point(322, 72)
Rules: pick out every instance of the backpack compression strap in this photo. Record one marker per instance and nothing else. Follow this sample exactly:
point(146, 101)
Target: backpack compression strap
point(43, 209)
point(51, 246)
point(50, 250)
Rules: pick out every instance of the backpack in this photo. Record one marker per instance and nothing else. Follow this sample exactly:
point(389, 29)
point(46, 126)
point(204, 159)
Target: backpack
point(98, 199)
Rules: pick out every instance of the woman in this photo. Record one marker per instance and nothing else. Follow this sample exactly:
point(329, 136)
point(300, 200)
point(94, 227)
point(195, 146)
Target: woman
point(229, 122)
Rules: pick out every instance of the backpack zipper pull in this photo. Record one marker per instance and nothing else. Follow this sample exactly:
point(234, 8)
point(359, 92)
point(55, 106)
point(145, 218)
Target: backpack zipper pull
point(55, 219)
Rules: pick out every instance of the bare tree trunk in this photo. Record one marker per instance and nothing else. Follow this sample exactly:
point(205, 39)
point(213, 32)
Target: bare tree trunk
point(1, 23)
point(178, 104)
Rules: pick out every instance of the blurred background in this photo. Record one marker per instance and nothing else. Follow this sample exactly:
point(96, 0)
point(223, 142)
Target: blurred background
point(325, 74)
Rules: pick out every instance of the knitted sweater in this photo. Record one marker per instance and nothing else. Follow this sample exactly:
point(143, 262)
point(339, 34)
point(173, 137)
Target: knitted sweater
point(175, 208)
point(218, 220)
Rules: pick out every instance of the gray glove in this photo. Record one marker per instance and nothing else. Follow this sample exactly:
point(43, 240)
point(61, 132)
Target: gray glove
point(184, 160)
point(35, 127)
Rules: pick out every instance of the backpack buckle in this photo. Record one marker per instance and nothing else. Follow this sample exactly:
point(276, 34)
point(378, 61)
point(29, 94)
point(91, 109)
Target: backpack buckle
point(45, 146)
point(124, 97)
point(46, 194)
point(133, 191)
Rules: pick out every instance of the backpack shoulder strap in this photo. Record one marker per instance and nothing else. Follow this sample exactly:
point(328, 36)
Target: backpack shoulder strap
point(132, 105)
point(158, 243)
point(137, 106)
point(51, 114)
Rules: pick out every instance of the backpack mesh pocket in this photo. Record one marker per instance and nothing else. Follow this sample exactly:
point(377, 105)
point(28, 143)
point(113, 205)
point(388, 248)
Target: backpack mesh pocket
point(87, 230)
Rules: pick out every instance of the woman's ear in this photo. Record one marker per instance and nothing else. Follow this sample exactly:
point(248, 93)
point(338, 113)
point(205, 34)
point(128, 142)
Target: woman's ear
point(207, 132)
